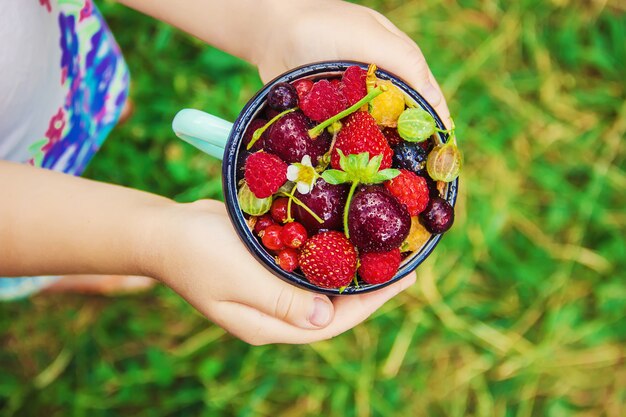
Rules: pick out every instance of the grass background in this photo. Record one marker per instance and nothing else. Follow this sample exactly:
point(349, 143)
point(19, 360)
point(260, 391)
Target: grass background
point(520, 312)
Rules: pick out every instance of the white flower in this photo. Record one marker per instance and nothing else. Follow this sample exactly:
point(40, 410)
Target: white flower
point(303, 174)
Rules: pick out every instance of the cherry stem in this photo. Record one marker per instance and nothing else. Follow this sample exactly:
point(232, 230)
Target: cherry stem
point(293, 191)
point(304, 206)
point(257, 133)
point(347, 208)
point(317, 130)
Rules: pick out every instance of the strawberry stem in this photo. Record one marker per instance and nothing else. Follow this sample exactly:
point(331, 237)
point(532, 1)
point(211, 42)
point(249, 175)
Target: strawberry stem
point(347, 208)
point(257, 133)
point(317, 130)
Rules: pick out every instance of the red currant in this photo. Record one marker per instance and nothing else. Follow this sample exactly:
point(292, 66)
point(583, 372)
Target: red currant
point(279, 210)
point(293, 235)
point(262, 222)
point(271, 237)
point(288, 259)
point(303, 87)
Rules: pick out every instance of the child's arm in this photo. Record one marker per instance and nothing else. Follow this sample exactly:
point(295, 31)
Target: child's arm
point(277, 35)
point(52, 223)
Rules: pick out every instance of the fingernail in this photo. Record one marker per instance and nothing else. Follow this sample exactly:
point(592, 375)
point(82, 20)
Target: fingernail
point(321, 313)
point(431, 94)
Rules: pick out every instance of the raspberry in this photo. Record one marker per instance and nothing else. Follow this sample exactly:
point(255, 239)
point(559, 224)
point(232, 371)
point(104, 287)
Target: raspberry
point(387, 107)
point(302, 87)
point(323, 101)
point(328, 260)
point(265, 174)
point(361, 134)
point(411, 190)
point(380, 267)
point(353, 85)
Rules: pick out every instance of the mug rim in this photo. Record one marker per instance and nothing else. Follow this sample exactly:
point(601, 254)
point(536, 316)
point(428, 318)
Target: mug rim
point(229, 177)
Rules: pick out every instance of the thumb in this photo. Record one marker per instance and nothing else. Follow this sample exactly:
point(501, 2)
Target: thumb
point(405, 59)
point(284, 301)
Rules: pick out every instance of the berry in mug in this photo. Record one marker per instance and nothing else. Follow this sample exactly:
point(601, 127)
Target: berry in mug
point(342, 181)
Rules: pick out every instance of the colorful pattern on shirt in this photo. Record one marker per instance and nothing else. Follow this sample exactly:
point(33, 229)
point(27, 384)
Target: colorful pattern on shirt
point(95, 76)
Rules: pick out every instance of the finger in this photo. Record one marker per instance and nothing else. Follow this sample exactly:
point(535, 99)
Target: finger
point(283, 301)
point(442, 109)
point(261, 290)
point(258, 328)
point(404, 58)
point(352, 310)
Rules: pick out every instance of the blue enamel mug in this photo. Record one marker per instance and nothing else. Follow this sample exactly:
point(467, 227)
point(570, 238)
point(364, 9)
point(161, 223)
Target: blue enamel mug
point(222, 139)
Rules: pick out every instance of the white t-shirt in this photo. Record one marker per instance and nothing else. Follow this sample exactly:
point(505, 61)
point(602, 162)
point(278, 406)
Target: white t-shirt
point(63, 83)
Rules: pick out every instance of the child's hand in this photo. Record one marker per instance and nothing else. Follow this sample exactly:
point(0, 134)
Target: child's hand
point(205, 262)
point(278, 35)
point(301, 32)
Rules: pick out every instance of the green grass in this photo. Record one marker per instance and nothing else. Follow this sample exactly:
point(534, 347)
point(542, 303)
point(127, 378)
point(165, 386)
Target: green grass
point(521, 310)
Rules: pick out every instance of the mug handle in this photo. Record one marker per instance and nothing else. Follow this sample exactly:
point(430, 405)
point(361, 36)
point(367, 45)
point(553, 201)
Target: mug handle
point(202, 130)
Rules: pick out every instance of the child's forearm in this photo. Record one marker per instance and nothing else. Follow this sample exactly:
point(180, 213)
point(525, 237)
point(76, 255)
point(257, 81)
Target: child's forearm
point(52, 223)
point(238, 27)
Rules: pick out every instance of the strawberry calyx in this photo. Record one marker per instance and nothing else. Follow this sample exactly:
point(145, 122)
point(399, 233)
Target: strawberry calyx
point(357, 169)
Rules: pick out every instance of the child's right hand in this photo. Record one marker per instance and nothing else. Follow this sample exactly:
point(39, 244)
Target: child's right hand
point(202, 259)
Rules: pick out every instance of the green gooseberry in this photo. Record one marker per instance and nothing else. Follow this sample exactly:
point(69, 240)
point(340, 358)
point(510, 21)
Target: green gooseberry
point(444, 162)
point(251, 204)
point(416, 125)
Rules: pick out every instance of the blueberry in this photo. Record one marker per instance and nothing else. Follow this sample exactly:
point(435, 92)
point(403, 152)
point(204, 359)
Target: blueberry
point(282, 96)
point(411, 156)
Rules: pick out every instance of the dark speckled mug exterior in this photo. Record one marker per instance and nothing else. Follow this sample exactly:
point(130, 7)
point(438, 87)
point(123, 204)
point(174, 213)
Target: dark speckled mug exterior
point(231, 158)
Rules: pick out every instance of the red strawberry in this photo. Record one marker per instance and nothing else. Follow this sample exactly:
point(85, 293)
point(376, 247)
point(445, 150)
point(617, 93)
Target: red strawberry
point(380, 267)
point(360, 133)
point(411, 190)
point(392, 136)
point(353, 85)
point(328, 260)
point(265, 173)
point(323, 101)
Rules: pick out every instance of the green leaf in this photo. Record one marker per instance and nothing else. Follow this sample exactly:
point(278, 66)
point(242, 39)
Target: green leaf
point(385, 175)
point(343, 160)
point(373, 166)
point(334, 176)
point(362, 160)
